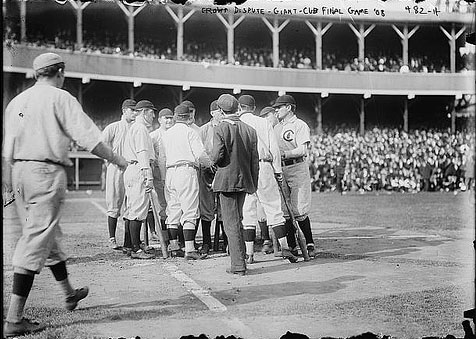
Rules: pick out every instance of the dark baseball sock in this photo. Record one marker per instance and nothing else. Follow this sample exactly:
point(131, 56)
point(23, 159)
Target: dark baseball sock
point(263, 226)
point(21, 288)
point(279, 231)
point(181, 237)
point(189, 235)
point(127, 234)
point(173, 232)
point(290, 233)
point(22, 284)
point(305, 227)
point(135, 227)
point(207, 236)
point(59, 271)
point(151, 221)
point(249, 235)
point(112, 225)
point(163, 224)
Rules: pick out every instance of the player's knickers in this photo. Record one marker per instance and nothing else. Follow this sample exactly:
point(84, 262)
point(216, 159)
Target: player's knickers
point(137, 200)
point(207, 196)
point(39, 190)
point(267, 199)
point(297, 189)
point(114, 190)
point(181, 187)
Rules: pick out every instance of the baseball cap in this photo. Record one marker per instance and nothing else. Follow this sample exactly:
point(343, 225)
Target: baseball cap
point(166, 112)
point(145, 104)
point(266, 111)
point(228, 103)
point(284, 100)
point(45, 60)
point(247, 100)
point(129, 103)
point(182, 110)
point(214, 105)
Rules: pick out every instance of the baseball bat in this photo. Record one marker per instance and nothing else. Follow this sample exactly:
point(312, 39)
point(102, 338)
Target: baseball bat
point(216, 237)
point(300, 236)
point(155, 203)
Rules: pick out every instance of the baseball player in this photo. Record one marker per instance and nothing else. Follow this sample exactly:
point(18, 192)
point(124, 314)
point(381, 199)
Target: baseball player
point(184, 152)
point(42, 121)
point(293, 138)
point(114, 135)
point(138, 178)
point(236, 156)
point(208, 199)
point(267, 194)
point(193, 110)
point(166, 120)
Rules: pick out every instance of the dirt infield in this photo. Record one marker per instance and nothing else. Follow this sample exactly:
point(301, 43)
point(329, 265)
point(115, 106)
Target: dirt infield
point(392, 264)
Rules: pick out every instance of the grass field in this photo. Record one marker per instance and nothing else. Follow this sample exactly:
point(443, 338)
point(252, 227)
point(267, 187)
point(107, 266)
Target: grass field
point(392, 264)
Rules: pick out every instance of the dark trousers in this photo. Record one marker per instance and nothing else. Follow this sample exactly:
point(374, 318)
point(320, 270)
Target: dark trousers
point(232, 214)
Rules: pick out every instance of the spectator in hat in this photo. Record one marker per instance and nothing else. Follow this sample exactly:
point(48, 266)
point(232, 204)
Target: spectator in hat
point(235, 154)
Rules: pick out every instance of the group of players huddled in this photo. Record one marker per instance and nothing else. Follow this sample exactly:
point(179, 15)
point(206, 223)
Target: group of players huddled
point(255, 158)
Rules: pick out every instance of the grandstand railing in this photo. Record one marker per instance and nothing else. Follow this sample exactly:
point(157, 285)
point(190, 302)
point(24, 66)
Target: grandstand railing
point(191, 74)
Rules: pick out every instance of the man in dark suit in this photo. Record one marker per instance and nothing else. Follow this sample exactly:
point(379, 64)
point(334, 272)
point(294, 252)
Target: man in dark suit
point(235, 154)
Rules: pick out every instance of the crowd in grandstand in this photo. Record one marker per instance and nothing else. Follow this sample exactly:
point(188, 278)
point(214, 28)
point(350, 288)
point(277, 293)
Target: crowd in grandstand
point(216, 53)
point(392, 160)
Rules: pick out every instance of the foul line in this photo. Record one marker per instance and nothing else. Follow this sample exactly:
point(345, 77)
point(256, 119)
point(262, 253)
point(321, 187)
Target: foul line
point(379, 237)
point(98, 206)
point(194, 288)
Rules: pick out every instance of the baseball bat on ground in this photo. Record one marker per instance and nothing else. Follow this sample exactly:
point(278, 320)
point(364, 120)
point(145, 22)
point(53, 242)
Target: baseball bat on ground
point(154, 200)
point(300, 236)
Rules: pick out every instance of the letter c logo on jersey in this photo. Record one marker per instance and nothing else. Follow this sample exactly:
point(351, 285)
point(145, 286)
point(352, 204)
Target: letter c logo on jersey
point(288, 135)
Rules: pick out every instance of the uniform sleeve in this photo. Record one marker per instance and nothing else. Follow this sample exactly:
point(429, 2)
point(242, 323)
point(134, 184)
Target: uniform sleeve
point(274, 149)
point(107, 135)
point(303, 134)
point(9, 131)
point(76, 123)
point(198, 149)
point(143, 147)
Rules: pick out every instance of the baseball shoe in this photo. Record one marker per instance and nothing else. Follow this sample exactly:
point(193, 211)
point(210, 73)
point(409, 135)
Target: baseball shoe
point(146, 249)
point(79, 294)
point(23, 327)
point(194, 256)
point(311, 251)
point(240, 273)
point(250, 259)
point(113, 244)
point(205, 249)
point(267, 247)
point(140, 254)
point(294, 251)
point(127, 251)
point(287, 254)
point(154, 236)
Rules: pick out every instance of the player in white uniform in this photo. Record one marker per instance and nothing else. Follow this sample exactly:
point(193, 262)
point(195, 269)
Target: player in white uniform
point(267, 194)
point(293, 139)
point(158, 169)
point(40, 124)
point(138, 178)
point(114, 135)
point(184, 152)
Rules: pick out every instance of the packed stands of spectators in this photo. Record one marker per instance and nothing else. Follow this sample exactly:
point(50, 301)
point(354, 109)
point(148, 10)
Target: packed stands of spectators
point(216, 53)
point(392, 160)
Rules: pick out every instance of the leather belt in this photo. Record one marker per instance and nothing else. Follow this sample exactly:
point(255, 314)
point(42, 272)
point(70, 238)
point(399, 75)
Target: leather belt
point(289, 162)
point(265, 160)
point(45, 161)
point(183, 165)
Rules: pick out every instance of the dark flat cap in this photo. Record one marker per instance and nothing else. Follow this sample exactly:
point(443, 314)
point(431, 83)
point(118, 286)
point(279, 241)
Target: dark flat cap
point(166, 112)
point(266, 111)
point(228, 103)
point(247, 100)
point(145, 104)
point(284, 100)
point(129, 103)
point(182, 110)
